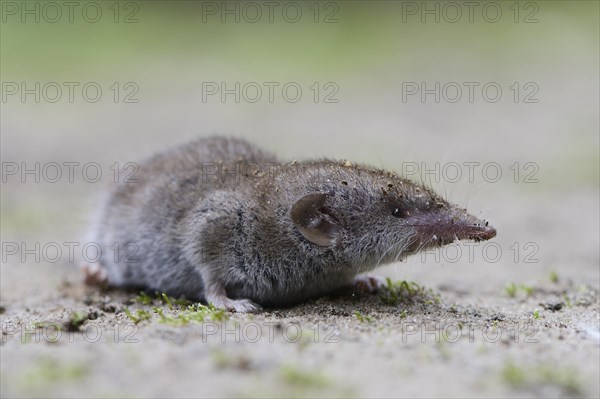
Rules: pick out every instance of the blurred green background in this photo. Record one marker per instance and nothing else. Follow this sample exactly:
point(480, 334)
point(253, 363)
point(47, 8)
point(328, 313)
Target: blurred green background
point(343, 38)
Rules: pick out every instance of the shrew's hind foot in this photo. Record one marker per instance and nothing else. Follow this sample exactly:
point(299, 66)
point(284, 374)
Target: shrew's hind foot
point(94, 274)
point(235, 305)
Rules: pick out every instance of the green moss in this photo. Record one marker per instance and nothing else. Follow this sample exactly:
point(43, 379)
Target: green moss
point(564, 378)
point(442, 347)
point(73, 323)
point(237, 361)
point(192, 313)
point(510, 289)
point(407, 292)
point(76, 320)
point(528, 290)
point(567, 300)
point(513, 375)
point(45, 324)
point(140, 315)
point(176, 313)
point(167, 300)
point(513, 289)
point(362, 318)
point(48, 371)
point(303, 378)
point(143, 299)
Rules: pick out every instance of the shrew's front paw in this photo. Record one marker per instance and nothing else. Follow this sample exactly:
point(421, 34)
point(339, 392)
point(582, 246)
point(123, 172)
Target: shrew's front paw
point(368, 284)
point(94, 274)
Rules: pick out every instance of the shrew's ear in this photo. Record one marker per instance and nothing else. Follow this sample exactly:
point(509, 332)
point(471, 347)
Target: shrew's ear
point(315, 221)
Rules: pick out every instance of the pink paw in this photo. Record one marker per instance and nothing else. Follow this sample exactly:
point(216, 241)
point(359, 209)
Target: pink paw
point(235, 305)
point(368, 284)
point(94, 274)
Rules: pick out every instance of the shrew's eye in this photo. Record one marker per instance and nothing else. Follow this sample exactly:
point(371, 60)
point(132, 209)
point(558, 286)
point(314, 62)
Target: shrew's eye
point(399, 213)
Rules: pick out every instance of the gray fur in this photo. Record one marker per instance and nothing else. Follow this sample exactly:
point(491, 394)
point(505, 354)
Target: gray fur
point(232, 240)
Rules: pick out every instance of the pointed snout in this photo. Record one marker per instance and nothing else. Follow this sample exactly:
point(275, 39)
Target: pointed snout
point(479, 232)
point(449, 225)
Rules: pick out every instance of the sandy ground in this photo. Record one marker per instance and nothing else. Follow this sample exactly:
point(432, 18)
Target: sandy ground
point(453, 340)
point(517, 325)
point(516, 317)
